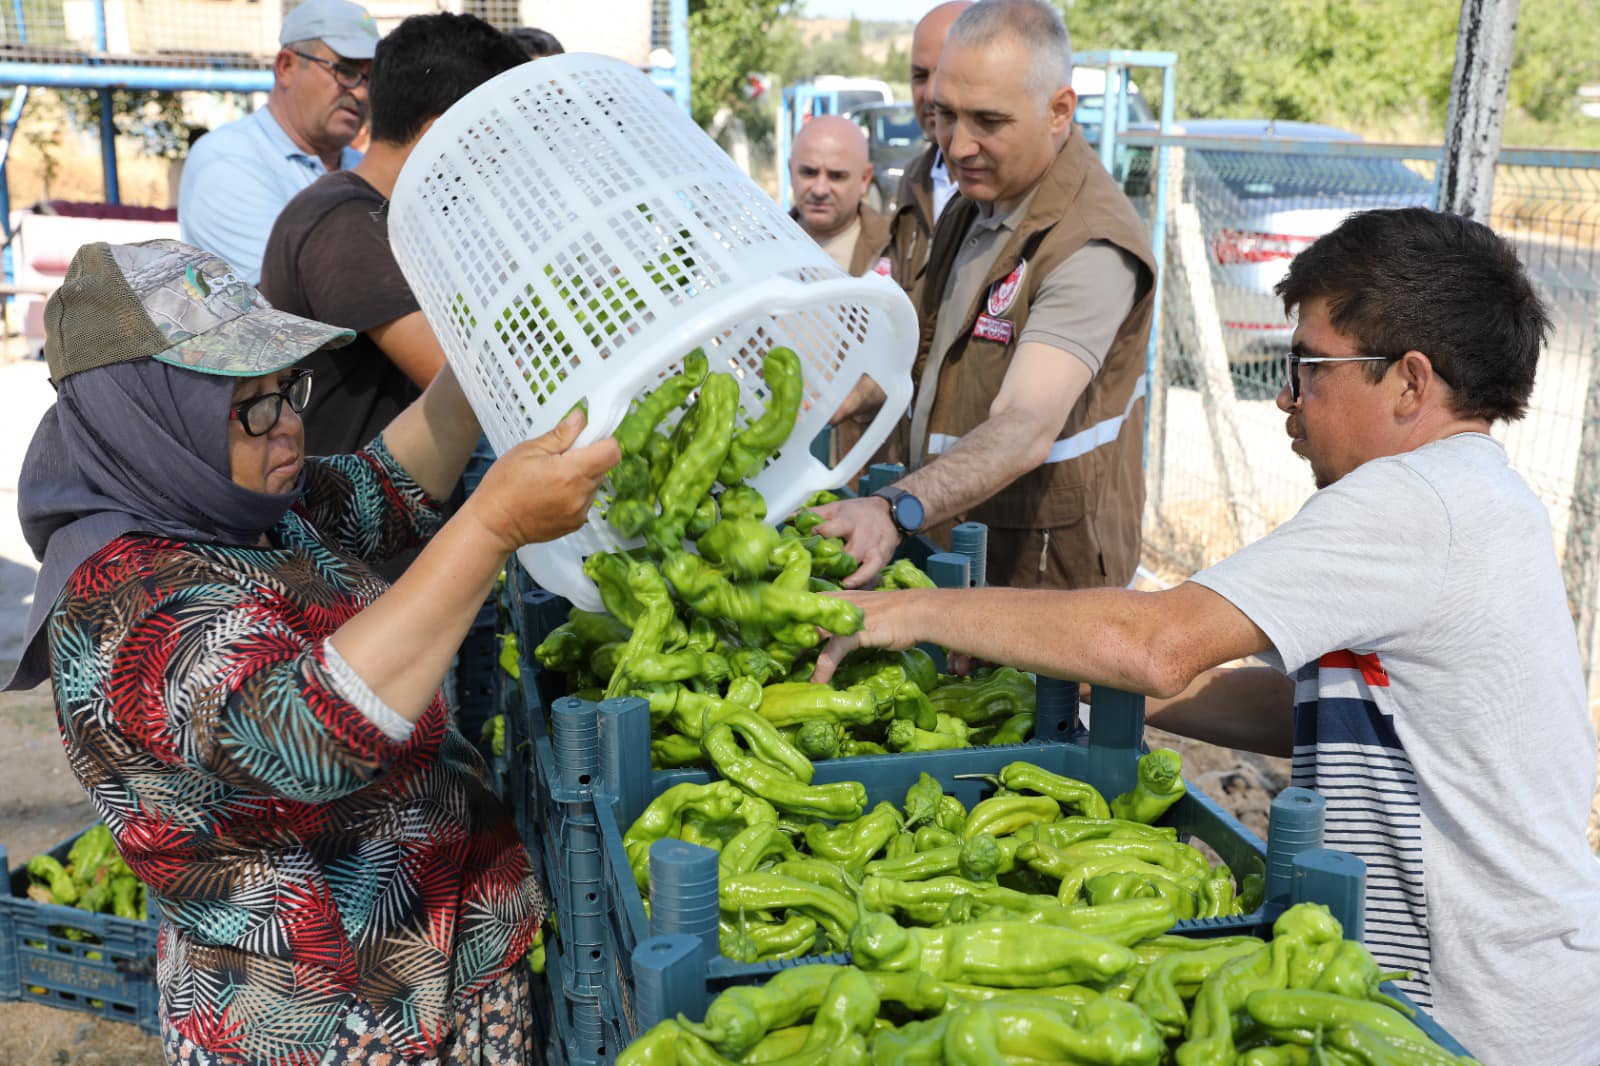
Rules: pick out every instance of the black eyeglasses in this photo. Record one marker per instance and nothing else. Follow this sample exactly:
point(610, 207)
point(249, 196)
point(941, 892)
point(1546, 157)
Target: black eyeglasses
point(1295, 362)
point(259, 414)
point(347, 76)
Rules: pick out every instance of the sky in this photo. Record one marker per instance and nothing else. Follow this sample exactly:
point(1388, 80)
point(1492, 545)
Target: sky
point(867, 10)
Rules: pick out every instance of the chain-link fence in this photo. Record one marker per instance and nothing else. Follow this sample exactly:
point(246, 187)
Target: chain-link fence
point(1237, 210)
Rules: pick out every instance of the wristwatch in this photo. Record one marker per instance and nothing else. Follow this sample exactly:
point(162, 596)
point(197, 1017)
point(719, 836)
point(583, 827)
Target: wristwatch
point(905, 510)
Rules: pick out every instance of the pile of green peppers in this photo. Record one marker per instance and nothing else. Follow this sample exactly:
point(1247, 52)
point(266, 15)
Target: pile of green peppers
point(805, 868)
point(1001, 992)
point(94, 879)
point(734, 623)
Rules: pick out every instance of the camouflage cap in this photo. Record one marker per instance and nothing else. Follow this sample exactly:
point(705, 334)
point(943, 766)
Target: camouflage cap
point(167, 301)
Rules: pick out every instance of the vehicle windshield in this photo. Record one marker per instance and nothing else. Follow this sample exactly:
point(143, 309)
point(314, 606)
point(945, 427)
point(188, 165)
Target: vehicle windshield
point(1092, 109)
point(850, 99)
point(894, 129)
point(1262, 176)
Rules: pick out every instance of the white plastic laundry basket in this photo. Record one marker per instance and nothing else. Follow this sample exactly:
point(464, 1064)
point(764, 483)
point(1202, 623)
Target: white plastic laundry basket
point(571, 235)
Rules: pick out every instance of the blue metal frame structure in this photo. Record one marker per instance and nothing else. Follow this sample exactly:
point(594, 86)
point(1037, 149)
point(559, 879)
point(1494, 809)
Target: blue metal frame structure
point(670, 31)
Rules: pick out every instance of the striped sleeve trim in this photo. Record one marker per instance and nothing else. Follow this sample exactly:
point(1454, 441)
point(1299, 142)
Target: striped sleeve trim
point(356, 692)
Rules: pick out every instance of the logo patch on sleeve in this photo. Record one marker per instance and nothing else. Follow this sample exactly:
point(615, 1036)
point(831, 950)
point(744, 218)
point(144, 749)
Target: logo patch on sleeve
point(1003, 293)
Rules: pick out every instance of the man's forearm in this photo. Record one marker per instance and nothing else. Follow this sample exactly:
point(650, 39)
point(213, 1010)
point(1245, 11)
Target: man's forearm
point(1103, 636)
point(1247, 707)
point(984, 461)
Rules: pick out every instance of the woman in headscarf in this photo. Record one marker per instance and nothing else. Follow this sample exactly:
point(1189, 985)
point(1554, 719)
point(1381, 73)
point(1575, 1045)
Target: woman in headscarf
point(254, 712)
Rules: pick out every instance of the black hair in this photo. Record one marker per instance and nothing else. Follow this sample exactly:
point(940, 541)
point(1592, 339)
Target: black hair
point(427, 63)
point(535, 42)
point(1413, 279)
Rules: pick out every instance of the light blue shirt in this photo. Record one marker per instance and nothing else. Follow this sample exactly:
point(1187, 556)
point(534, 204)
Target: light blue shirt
point(236, 180)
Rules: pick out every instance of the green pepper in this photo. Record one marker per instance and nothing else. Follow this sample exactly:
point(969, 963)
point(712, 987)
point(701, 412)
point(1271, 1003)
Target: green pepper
point(1004, 815)
point(839, 800)
point(928, 902)
point(742, 501)
point(738, 1018)
point(1289, 1009)
point(849, 1007)
point(951, 816)
point(1374, 1048)
point(707, 591)
point(780, 370)
point(903, 735)
point(778, 1045)
point(1159, 786)
point(48, 870)
point(902, 846)
point(818, 738)
point(766, 891)
point(741, 546)
point(1014, 730)
point(979, 701)
point(648, 413)
point(764, 741)
point(1101, 1030)
point(1068, 792)
point(665, 814)
point(829, 559)
point(631, 512)
point(510, 658)
point(695, 469)
point(852, 747)
point(853, 844)
point(657, 1046)
point(673, 752)
point(929, 837)
point(753, 846)
point(904, 574)
point(762, 941)
point(1177, 976)
point(753, 663)
point(829, 875)
point(794, 703)
point(1068, 831)
point(1016, 954)
point(979, 858)
point(938, 861)
point(914, 1044)
point(125, 897)
point(922, 800)
point(649, 636)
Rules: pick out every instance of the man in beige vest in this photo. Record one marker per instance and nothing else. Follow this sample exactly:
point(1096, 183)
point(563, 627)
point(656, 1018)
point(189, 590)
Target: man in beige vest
point(830, 173)
point(1035, 313)
point(926, 186)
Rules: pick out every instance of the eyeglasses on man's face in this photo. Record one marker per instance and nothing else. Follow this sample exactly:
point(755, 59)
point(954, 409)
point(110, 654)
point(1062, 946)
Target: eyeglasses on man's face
point(347, 76)
point(1296, 360)
point(259, 414)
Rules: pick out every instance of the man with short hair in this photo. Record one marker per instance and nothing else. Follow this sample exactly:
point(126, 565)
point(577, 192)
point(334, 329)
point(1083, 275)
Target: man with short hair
point(1423, 669)
point(239, 176)
point(830, 173)
point(1035, 311)
point(329, 257)
point(535, 42)
point(926, 186)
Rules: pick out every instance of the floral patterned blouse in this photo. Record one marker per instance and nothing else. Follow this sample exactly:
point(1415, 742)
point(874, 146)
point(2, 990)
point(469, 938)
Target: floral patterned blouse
point(304, 859)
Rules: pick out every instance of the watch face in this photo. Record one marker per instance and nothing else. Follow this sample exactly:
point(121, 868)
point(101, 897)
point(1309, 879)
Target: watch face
point(908, 513)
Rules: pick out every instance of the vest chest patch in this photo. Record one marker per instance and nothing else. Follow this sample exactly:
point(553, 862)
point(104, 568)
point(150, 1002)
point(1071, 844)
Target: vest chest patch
point(1003, 293)
point(990, 328)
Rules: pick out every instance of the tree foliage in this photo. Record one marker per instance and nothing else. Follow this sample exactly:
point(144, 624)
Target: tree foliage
point(1363, 63)
point(728, 41)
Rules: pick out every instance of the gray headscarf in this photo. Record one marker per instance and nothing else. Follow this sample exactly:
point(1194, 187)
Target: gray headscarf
point(141, 447)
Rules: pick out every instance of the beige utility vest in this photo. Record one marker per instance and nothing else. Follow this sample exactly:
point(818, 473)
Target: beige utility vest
point(1090, 491)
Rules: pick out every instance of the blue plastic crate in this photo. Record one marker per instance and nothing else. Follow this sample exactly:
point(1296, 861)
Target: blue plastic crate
point(107, 967)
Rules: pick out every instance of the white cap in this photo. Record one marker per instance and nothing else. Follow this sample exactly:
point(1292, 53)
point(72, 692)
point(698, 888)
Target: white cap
point(343, 26)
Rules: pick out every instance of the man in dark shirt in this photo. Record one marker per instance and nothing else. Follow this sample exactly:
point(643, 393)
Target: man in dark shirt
point(329, 258)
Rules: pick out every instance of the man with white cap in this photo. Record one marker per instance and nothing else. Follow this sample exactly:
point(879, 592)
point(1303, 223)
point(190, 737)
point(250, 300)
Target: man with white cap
point(239, 176)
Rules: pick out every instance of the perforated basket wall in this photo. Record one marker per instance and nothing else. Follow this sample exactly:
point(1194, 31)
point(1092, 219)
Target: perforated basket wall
point(571, 235)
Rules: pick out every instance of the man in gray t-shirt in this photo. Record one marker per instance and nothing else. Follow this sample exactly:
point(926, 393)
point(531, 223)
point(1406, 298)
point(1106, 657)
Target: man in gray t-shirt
point(1423, 670)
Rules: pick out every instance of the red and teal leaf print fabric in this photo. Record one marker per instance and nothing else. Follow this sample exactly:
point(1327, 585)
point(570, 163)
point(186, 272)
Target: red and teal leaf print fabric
point(301, 858)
